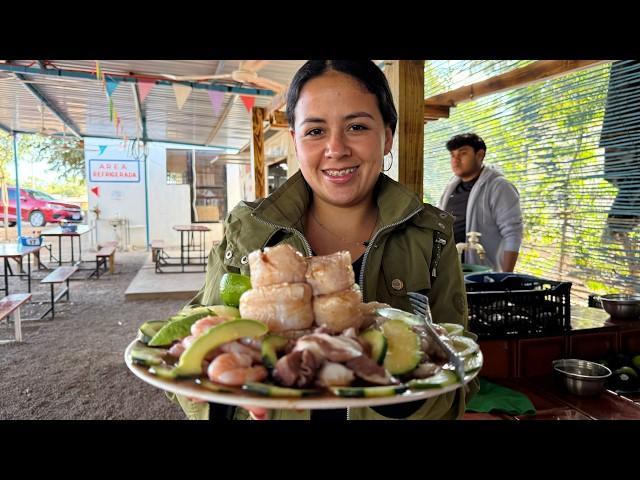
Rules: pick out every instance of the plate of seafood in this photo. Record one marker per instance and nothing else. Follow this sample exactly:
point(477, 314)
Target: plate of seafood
point(300, 337)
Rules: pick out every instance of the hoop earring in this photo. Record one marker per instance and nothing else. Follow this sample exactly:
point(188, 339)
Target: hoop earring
point(390, 163)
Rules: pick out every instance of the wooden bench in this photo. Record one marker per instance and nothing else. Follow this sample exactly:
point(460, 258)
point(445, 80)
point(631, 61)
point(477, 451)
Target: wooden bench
point(157, 246)
point(108, 251)
point(59, 275)
point(10, 307)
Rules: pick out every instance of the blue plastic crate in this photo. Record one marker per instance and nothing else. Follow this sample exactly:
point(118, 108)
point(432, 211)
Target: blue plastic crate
point(31, 241)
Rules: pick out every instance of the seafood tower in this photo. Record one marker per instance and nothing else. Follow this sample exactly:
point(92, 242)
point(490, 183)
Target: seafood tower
point(337, 300)
point(280, 297)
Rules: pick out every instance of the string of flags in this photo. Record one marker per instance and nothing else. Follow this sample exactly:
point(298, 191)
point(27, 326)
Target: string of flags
point(181, 92)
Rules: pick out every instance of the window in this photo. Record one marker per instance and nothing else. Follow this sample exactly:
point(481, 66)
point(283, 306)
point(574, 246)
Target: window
point(178, 167)
point(209, 189)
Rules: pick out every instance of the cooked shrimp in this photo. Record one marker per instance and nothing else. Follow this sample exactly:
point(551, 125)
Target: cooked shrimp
point(204, 324)
point(280, 307)
point(330, 273)
point(236, 347)
point(187, 341)
point(234, 369)
point(339, 311)
point(279, 264)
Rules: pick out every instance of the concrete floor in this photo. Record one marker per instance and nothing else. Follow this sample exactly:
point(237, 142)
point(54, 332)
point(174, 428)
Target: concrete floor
point(149, 285)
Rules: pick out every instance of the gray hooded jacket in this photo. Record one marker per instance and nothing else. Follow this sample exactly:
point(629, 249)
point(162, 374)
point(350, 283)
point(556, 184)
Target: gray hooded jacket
point(494, 211)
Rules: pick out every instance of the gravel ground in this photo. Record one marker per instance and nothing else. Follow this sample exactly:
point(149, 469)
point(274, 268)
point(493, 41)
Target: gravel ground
point(73, 367)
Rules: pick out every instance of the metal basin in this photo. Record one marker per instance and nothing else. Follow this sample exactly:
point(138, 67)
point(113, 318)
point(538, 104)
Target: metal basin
point(581, 377)
point(621, 306)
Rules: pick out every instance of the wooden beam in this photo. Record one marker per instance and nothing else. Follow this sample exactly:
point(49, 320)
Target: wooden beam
point(434, 112)
point(257, 151)
point(539, 71)
point(406, 79)
point(278, 119)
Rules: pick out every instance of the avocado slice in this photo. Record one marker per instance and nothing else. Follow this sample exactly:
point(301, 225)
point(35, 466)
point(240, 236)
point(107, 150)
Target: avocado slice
point(177, 329)
point(190, 364)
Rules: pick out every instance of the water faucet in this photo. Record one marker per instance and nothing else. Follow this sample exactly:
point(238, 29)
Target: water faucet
point(473, 243)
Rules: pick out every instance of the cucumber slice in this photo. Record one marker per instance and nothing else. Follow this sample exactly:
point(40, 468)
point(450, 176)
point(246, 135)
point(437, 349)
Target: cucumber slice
point(473, 362)
point(148, 329)
point(452, 328)
point(190, 364)
point(464, 346)
point(143, 355)
point(163, 371)
point(441, 379)
point(270, 346)
point(378, 343)
point(267, 390)
point(403, 347)
point(359, 392)
point(214, 387)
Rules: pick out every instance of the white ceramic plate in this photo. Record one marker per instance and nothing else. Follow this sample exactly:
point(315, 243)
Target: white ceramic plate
point(189, 388)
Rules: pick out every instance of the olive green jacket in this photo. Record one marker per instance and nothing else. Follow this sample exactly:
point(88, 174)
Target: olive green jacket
point(398, 260)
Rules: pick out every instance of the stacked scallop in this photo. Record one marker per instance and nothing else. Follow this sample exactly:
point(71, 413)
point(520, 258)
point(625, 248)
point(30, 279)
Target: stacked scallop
point(289, 291)
point(337, 300)
point(279, 297)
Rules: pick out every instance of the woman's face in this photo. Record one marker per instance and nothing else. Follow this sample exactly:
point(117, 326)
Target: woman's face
point(340, 138)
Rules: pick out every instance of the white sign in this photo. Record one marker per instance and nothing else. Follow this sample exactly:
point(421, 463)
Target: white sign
point(116, 171)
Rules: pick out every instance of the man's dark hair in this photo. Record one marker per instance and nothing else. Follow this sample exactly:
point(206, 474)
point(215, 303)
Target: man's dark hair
point(466, 139)
point(366, 72)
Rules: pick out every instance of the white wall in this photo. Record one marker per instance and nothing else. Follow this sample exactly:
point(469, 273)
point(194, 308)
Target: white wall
point(169, 205)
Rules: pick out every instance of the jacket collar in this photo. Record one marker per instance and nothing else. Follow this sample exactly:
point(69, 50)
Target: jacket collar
point(289, 203)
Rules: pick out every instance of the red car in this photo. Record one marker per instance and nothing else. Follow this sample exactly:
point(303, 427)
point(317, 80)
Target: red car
point(40, 208)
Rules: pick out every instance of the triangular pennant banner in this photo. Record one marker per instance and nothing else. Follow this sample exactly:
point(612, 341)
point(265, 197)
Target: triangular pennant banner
point(248, 102)
point(112, 84)
point(181, 92)
point(95, 191)
point(144, 87)
point(216, 100)
point(102, 149)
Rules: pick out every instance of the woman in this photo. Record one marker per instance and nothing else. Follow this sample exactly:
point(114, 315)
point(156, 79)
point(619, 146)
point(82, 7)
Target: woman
point(342, 120)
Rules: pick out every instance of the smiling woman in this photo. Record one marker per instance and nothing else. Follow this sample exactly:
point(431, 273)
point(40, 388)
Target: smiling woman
point(342, 120)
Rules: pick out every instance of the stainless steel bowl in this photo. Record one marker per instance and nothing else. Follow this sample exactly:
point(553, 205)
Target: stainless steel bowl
point(621, 306)
point(582, 377)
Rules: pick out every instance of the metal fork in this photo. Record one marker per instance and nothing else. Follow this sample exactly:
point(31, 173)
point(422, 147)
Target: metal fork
point(420, 304)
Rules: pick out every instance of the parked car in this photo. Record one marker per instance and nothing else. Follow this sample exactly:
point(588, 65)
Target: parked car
point(40, 208)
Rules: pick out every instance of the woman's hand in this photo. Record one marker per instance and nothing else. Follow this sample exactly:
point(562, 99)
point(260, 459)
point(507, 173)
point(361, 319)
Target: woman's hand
point(257, 413)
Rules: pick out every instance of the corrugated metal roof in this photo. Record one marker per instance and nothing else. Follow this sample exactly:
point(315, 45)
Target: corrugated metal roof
point(84, 103)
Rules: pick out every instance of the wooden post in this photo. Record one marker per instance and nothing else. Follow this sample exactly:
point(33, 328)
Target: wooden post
point(257, 151)
point(406, 79)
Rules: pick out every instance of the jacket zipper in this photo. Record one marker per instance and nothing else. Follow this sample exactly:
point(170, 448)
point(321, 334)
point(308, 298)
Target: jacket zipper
point(288, 229)
point(372, 245)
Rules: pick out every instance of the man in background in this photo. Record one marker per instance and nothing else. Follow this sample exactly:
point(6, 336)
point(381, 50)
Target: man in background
point(482, 200)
